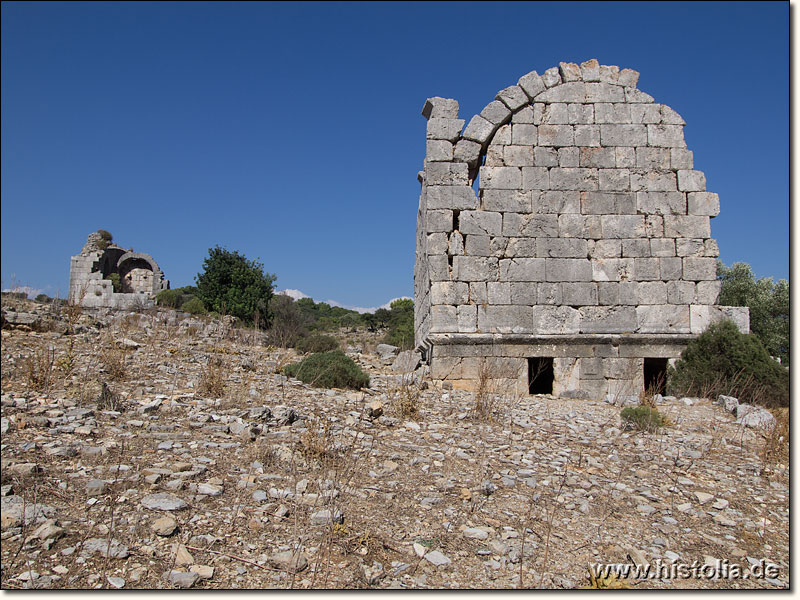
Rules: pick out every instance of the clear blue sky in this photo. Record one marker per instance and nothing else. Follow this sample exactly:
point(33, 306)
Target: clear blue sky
point(292, 132)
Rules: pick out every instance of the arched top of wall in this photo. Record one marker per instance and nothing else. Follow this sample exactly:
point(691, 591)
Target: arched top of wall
point(589, 82)
point(132, 256)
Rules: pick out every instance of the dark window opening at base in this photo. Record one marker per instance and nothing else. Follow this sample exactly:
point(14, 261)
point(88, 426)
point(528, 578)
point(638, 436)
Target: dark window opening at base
point(655, 375)
point(540, 375)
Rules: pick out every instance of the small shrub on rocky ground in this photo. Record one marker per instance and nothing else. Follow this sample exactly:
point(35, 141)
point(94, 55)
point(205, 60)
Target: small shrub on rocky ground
point(723, 360)
point(329, 369)
point(212, 381)
point(194, 306)
point(317, 343)
point(643, 418)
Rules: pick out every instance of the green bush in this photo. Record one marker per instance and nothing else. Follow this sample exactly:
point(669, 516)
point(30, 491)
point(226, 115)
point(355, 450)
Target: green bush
point(230, 284)
point(723, 360)
point(194, 306)
point(169, 298)
point(329, 369)
point(288, 321)
point(116, 282)
point(768, 303)
point(400, 321)
point(644, 418)
point(317, 343)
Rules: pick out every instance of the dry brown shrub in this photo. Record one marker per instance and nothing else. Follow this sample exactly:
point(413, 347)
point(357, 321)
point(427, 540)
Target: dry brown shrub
point(113, 361)
point(39, 369)
point(212, 379)
point(775, 448)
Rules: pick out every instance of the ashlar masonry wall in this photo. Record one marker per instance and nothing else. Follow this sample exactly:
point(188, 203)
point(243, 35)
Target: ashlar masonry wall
point(588, 241)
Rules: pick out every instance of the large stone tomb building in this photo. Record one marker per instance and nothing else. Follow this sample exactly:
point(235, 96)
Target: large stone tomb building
point(563, 238)
point(90, 283)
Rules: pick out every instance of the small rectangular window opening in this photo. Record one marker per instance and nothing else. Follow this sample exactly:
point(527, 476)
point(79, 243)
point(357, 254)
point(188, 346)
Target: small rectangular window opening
point(540, 375)
point(655, 375)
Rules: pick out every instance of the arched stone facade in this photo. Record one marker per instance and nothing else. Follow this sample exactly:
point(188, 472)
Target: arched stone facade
point(140, 276)
point(587, 245)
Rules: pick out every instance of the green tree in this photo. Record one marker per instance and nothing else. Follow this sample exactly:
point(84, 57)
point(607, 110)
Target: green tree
point(768, 303)
point(232, 284)
point(401, 323)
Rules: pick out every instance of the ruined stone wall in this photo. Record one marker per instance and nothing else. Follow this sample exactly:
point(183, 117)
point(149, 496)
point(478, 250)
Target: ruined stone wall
point(589, 220)
point(140, 276)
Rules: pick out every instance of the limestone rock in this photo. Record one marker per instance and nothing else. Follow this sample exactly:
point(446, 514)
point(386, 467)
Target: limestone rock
point(163, 501)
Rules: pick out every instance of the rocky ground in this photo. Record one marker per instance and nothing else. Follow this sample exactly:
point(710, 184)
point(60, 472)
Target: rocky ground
point(157, 450)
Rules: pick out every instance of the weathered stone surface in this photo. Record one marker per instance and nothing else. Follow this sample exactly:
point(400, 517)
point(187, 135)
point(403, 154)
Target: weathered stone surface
point(163, 501)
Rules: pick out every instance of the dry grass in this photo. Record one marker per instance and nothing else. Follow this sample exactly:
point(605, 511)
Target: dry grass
point(775, 448)
point(212, 379)
point(39, 369)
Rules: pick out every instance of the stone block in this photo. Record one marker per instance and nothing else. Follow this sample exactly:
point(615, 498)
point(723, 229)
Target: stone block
point(607, 113)
point(506, 201)
point(653, 181)
point(645, 113)
point(608, 294)
point(444, 129)
point(691, 181)
point(604, 158)
point(478, 130)
point(556, 202)
point(478, 293)
point(522, 269)
point(606, 249)
point(623, 135)
point(518, 156)
point(665, 136)
point(653, 226)
point(689, 226)
point(699, 269)
point(455, 243)
point(580, 226)
point(569, 71)
point(681, 292)
point(568, 269)
point(475, 268)
point(707, 292)
point(549, 320)
point(690, 247)
point(591, 368)
point(562, 248)
point(502, 136)
point(612, 269)
point(444, 319)
point(439, 220)
point(555, 114)
point(438, 151)
point(579, 294)
point(615, 180)
point(702, 203)
point(661, 203)
point(681, 158)
point(628, 77)
point(653, 158)
point(651, 292)
point(494, 157)
point(590, 70)
point(663, 318)
point(571, 91)
point(446, 174)
point(609, 73)
point(477, 245)
point(555, 135)
point(633, 95)
point(535, 178)
point(551, 77)
point(607, 319)
point(671, 117)
point(499, 292)
point(740, 315)
point(480, 222)
point(503, 178)
point(520, 247)
point(449, 292)
point(626, 157)
point(524, 115)
point(523, 134)
point(636, 248)
point(621, 368)
point(467, 151)
point(513, 97)
point(587, 135)
point(603, 92)
point(646, 269)
point(524, 293)
point(531, 84)
point(545, 157)
point(580, 114)
point(546, 293)
point(527, 225)
point(438, 268)
point(437, 243)
point(467, 318)
point(622, 226)
point(580, 179)
point(496, 112)
point(440, 108)
point(568, 157)
point(671, 268)
point(505, 319)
